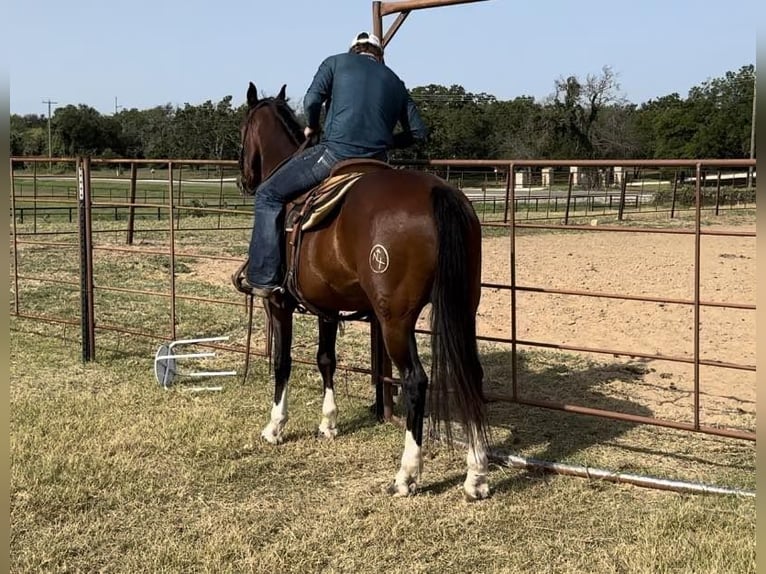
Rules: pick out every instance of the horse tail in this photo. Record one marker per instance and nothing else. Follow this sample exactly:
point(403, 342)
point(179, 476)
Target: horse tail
point(456, 372)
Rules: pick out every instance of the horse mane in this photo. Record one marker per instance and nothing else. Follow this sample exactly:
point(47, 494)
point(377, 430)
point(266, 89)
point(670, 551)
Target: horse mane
point(286, 117)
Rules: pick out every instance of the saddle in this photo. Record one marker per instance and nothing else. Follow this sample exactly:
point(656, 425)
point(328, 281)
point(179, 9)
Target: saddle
point(318, 205)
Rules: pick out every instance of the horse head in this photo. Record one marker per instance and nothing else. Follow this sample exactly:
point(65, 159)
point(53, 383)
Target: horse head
point(270, 132)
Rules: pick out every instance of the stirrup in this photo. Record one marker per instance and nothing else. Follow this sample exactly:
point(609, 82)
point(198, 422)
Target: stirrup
point(241, 284)
point(238, 279)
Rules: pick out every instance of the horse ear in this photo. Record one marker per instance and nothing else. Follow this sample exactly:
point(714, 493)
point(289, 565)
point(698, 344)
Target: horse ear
point(252, 95)
point(281, 94)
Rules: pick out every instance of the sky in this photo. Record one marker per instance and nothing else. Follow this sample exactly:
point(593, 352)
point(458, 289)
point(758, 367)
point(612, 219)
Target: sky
point(146, 53)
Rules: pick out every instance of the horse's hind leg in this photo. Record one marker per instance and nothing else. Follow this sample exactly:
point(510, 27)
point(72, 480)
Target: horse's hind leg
point(475, 485)
point(328, 332)
point(402, 348)
point(281, 312)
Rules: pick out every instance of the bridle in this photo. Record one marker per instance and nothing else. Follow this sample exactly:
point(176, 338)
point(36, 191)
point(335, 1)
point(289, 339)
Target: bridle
point(302, 143)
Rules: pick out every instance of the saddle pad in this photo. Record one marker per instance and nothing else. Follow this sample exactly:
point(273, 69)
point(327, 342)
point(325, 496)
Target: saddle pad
point(330, 199)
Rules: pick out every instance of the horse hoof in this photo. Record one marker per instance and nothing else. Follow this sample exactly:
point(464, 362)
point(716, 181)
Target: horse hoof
point(476, 492)
point(400, 490)
point(270, 436)
point(327, 432)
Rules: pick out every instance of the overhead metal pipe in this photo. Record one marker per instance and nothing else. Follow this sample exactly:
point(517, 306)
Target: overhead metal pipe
point(393, 7)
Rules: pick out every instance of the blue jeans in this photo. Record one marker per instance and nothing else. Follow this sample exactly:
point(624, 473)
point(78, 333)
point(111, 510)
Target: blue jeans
point(295, 177)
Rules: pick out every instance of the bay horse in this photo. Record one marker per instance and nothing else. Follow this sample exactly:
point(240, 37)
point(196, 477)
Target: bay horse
point(430, 239)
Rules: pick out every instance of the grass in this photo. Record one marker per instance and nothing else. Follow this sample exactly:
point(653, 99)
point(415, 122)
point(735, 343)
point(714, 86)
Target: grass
point(111, 473)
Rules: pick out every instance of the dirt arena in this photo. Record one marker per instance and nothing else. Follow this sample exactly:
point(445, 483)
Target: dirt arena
point(651, 265)
point(630, 263)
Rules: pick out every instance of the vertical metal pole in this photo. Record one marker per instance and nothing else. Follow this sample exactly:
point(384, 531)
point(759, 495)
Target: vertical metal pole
point(377, 20)
point(550, 191)
point(180, 198)
point(89, 260)
point(220, 195)
point(172, 255)
point(34, 198)
point(132, 206)
point(50, 139)
point(375, 367)
point(569, 197)
point(697, 257)
point(752, 143)
point(85, 341)
point(621, 207)
point(381, 367)
point(529, 190)
point(508, 194)
point(514, 349)
point(83, 281)
point(718, 192)
point(675, 191)
point(15, 245)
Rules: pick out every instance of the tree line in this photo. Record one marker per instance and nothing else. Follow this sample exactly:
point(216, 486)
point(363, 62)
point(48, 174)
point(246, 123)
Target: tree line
point(583, 118)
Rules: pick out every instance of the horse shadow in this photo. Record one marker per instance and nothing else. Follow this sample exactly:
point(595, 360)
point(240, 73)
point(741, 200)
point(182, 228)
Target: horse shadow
point(543, 433)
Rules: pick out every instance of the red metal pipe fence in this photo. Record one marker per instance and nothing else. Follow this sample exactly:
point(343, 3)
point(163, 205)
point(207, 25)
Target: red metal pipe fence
point(88, 202)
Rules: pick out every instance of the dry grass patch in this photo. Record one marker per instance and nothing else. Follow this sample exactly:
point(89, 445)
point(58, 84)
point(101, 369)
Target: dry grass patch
point(111, 473)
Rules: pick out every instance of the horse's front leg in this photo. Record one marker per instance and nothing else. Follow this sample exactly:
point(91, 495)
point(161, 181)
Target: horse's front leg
point(328, 333)
point(281, 316)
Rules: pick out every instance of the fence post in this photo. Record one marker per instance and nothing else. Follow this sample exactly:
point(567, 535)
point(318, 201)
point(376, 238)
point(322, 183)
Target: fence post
point(621, 207)
point(380, 364)
point(569, 198)
point(34, 198)
point(673, 200)
point(512, 257)
point(509, 182)
point(697, 280)
point(220, 195)
point(180, 197)
point(132, 206)
point(14, 242)
point(86, 259)
point(171, 209)
point(718, 192)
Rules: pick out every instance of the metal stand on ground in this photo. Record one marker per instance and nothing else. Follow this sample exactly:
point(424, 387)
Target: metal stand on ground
point(166, 367)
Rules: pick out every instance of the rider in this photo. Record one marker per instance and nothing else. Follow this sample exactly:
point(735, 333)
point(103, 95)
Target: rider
point(365, 100)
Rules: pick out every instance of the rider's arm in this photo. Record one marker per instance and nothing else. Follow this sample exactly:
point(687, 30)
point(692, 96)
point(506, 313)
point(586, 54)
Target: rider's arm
point(413, 127)
point(319, 91)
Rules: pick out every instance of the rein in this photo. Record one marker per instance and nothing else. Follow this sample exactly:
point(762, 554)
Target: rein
point(302, 146)
point(296, 137)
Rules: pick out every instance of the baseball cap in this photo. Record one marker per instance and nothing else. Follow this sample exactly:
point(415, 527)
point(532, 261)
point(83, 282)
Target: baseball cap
point(367, 38)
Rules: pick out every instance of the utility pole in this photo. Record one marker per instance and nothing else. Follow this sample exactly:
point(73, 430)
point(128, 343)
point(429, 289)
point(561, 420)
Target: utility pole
point(50, 146)
point(116, 108)
point(752, 141)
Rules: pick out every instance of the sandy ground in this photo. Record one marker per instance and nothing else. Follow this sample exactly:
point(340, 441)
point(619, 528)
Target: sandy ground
point(629, 263)
point(651, 265)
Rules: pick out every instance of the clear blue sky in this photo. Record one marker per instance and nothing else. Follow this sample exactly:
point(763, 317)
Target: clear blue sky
point(148, 53)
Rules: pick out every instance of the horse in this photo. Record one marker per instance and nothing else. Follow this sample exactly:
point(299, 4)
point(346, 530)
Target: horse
point(399, 240)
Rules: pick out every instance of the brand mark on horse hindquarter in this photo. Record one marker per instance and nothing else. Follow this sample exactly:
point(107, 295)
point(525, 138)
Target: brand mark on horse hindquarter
point(378, 259)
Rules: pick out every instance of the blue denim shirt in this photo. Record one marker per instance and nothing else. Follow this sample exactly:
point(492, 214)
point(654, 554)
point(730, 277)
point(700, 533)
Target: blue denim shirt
point(365, 100)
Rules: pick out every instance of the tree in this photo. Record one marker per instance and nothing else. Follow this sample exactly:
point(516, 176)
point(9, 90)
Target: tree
point(457, 120)
point(515, 128)
point(29, 135)
point(665, 126)
point(570, 117)
point(83, 130)
point(723, 107)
